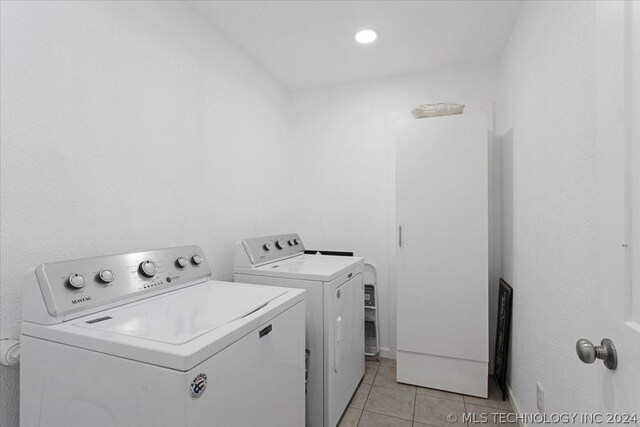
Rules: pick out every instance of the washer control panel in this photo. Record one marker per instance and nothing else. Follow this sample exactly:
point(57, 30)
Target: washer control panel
point(260, 250)
point(71, 286)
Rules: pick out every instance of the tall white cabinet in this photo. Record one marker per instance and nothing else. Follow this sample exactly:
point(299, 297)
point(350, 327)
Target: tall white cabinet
point(442, 253)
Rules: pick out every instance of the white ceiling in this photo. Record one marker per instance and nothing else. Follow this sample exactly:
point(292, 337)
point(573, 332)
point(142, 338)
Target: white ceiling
point(310, 43)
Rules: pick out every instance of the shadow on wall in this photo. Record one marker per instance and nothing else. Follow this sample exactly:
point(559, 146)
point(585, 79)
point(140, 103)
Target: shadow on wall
point(494, 239)
point(505, 145)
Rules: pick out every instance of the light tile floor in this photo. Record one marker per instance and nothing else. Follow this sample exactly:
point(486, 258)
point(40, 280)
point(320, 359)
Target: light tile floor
point(380, 401)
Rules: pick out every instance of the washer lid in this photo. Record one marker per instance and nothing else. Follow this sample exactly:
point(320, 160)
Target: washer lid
point(180, 317)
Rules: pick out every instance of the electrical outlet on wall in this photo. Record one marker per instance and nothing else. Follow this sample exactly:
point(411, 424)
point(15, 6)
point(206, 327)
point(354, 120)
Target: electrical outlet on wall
point(540, 397)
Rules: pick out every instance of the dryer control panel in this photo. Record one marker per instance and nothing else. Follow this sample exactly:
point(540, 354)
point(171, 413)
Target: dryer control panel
point(93, 284)
point(261, 250)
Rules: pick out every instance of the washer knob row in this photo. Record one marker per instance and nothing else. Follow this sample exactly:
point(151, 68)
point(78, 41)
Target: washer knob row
point(281, 244)
point(147, 268)
point(195, 260)
point(78, 281)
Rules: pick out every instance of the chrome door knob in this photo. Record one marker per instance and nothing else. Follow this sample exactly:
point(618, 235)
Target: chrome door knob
point(586, 351)
point(606, 351)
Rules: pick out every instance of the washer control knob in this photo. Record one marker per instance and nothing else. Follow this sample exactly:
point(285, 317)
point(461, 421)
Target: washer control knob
point(196, 259)
point(281, 244)
point(267, 246)
point(148, 268)
point(76, 281)
point(292, 242)
point(106, 276)
point(297, 241)
point(181, 262)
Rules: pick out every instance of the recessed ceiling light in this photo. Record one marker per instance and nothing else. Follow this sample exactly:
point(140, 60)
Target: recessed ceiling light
point(366, 36)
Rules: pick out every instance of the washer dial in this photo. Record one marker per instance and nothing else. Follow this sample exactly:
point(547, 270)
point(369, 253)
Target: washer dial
point(196, 259)
point(281, 244)
point(148, 268)
point(181, 262)
point(76, 281)
point(267, 246)
point(106, 276)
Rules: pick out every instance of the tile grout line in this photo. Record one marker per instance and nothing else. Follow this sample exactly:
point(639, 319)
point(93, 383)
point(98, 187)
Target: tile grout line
point(359, 418)
point(415, 400)
point(464, 401)
point(415, 391)
point(441, 397)
point(367, 399)
point(464, 406)
point(400, 389)
point(389, 416)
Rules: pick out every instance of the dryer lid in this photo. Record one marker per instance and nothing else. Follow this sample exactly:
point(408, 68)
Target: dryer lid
point(179, 317)
point(310, 267)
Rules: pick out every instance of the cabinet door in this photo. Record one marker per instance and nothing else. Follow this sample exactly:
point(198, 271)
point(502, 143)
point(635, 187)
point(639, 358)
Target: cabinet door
point(442, 209)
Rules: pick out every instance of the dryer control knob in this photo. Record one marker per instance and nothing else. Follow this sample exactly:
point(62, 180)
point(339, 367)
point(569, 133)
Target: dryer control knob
point(181, 262)
point(297, 241)
point(292, 242)
point(281, 244)
point(76, 281)
point(148, 268)
point(267, 246)
point(196, 259)
point(106, 276)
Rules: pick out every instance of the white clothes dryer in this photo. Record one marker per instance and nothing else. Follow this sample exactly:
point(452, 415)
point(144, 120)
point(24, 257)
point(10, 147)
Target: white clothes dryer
point(335, 315)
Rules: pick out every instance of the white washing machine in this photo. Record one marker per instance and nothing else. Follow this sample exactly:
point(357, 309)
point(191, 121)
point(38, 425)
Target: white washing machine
point(335, 315)
point(147, 339)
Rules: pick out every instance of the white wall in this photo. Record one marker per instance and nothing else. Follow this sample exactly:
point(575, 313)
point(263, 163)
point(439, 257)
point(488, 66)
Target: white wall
point(90, 89)
point(129, 126)
point(546, 118)
point(344, 176)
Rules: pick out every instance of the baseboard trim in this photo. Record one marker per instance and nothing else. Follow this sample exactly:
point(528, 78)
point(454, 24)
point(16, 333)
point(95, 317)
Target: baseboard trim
point(386, 353)
point(443, 373)
point(515, 404)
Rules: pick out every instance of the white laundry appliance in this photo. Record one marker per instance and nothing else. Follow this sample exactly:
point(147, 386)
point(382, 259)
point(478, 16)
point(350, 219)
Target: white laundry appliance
point(335, 315)
point(148, 339)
